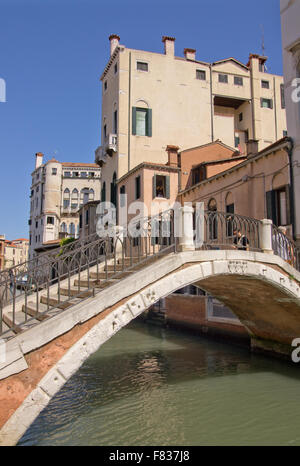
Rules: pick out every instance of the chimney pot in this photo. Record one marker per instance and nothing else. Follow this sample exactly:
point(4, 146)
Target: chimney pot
point(172, 155)
point(169, 45)
point(38, 159)
point(190, 54)
point(114, 42)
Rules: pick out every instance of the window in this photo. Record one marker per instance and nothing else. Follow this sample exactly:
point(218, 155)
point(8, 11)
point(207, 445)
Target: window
point(116, 122)
point(105, 85)
point(74, 199)
point(201, 74)
point(236, 141)
point(63, 227)
point(285, 133)
point(142, 66)
point(36, 224)
point(75, 174)
point(116, 68)
point(265, 84)
point(241, 117)
point(84, 196)
point(278, 205)
point(212, 219)
point(66, 199)
point(80, 221)
point(223, 78)
point(266, 103)
point(67, 174)
point(229, 224)
point(103, 192)
point(104, 132)
point(198, 174)
point(282, 96)
point(87, 217)
point(113, 190)
point(92, 174)
point(91, 195)
point(50, 220)
point(122, 196)
point(83, 174)
point(238, 81)
point(141, 121)
point(72, 229)
point(54, 171)
point(161, 186)
point(138, 187)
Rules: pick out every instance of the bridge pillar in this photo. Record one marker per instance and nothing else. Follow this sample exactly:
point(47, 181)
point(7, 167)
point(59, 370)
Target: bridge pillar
point(265, 236)
point(186, 240)
point(118, 239)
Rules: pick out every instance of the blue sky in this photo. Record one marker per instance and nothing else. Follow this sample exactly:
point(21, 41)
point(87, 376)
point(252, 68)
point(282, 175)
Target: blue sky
point(52, 53)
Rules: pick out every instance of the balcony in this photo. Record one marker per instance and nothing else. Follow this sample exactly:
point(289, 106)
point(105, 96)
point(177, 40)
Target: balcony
point(109, 148)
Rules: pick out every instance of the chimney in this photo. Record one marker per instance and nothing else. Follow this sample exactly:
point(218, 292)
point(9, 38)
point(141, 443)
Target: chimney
point(252, 147)
point(190, 54)
point(38, 159)
point(172, 155)
point(114, 42)
point(169, 45)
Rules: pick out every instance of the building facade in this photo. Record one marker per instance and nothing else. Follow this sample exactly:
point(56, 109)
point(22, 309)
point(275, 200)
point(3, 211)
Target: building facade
point(58, 190)
point(15, 252)
point(290, 14)
point(150, 100)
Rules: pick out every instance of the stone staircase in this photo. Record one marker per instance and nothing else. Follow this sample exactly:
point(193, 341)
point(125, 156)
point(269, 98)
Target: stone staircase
point(45, 304)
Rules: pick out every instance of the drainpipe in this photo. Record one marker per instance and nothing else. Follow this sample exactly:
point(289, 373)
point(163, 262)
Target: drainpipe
point(129, 111)
point(211, 105)
point(289, 150)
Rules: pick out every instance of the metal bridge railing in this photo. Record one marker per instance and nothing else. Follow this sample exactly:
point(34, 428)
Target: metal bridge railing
point(285, 247)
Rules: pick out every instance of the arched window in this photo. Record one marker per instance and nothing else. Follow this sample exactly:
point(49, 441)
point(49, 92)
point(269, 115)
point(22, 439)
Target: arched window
point(91, 195)
point(74, 199)
point(63, 227)
point(66, 200)
point(212, 219)
point(229, 210)
point(72, 229)
point(84, 196)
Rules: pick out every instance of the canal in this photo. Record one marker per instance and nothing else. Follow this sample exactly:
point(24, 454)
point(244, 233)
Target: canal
point(155, 386)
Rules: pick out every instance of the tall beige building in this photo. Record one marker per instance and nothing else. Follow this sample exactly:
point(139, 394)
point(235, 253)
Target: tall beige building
point(58, 190)
point(290, 23)
point(151, 100)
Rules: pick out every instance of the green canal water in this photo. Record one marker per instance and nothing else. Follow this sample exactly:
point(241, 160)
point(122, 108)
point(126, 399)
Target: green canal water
point(151, 386)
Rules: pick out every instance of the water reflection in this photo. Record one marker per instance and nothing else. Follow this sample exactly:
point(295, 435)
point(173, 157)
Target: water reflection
point(149, 386)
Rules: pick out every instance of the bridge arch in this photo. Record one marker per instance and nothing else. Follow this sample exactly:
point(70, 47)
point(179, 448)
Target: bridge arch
point(211, 271)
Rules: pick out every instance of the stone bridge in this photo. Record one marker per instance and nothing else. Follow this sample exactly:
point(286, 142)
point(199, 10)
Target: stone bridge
point(261, 288)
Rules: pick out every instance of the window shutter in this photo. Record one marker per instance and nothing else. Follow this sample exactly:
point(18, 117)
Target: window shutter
point(134, 121)
point(271, 206)
point(154, 186)
point(168, 187)
point(271, 103)
point(261, 102)
point(149, 122)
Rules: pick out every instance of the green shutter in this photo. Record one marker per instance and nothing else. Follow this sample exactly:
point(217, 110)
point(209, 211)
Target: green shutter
point(134, 121)
point(149, 122)
point(154, 186)
point(288, 203)
point(168, 187)
point(271, 103)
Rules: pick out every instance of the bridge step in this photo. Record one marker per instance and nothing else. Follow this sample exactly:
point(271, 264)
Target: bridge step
point(31, 311)
point(102, 275)
point(20, 324)
point(6, 332)
point(75, 292)
point(56, 303)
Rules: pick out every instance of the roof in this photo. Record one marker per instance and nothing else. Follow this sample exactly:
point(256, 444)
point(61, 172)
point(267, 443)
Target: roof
point(216, 162)
point(281, 143)
point(217, 141)
point(230, 59)
point(79, 164)
point(149, 165)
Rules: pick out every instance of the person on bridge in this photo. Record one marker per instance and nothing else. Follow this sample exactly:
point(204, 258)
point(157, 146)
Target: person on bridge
point(240, 241)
